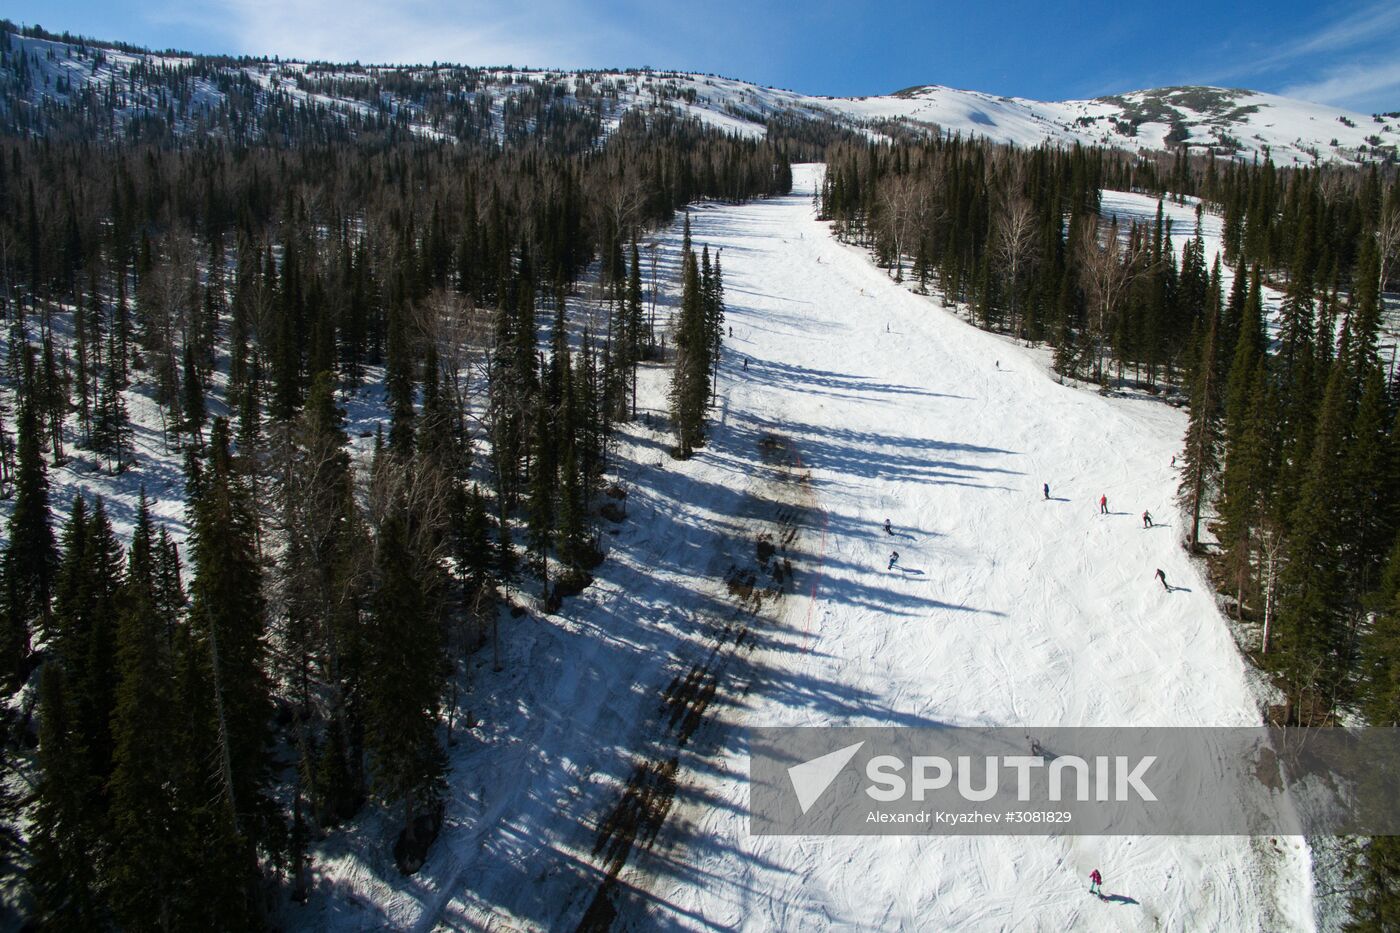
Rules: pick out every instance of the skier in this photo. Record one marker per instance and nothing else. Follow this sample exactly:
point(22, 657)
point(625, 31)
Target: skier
point(1103, 505)
point(1173, 459)
point(1163, 577)
point(731, 330)
point(1095, 880)
point(888, 530)
point(1047, 490)
point(1146, 519)
point(746, 362)
point(894, 559)
point(998, 364)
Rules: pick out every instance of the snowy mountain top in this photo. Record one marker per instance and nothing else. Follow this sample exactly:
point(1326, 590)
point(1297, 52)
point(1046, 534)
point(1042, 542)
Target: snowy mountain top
point(432, 99)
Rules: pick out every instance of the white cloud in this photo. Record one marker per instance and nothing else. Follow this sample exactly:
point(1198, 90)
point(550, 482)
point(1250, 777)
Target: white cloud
point(552, 33)
point(1364, 87)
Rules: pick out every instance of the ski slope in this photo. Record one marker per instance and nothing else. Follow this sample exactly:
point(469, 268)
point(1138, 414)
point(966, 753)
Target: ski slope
point(1008, 609)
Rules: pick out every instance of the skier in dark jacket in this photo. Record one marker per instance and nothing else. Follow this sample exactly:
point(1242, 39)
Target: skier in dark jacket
point(894, 559)
point(1047, 490)
point(1163, 577)
point(888, 529)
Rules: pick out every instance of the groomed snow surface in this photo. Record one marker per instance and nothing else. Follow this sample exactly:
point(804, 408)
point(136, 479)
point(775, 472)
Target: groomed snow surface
point(1007, 610)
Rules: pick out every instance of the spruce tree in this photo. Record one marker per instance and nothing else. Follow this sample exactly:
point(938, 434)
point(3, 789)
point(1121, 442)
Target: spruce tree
point(403, 679)
point(228, 627)
point(30, 558)
point(1201, 453)
point(144, 878)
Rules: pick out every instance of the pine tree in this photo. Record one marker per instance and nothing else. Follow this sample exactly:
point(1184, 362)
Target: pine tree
point(144, 876)
point(66, 829)
point(1201, 454)
point(403, 681)
point(30, 559)
point(690, 378)
point(228, 628)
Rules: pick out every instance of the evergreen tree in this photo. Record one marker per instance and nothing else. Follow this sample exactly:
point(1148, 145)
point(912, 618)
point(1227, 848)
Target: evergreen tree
point(66, 830)
point(30, 558)
point(228, 629)
point(1201, 453)
point(403, 683)
point(144, 878)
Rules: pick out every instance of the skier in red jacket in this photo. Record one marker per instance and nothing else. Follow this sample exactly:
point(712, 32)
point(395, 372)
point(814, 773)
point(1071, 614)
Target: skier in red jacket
point(1103, 505)
point(1095, 879)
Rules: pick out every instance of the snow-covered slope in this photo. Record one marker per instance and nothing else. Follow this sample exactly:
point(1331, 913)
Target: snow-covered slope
point(448, 101)
point(844, 400)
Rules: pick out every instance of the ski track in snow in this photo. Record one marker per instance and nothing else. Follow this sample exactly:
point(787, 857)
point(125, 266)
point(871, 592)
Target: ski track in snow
point(1023, 612)
point(1026, 612)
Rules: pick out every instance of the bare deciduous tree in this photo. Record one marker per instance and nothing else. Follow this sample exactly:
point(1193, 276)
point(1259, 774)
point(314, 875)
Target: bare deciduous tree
point(904, 201)
point(1014, 245)
point(1108, 265)
point(1388, 242)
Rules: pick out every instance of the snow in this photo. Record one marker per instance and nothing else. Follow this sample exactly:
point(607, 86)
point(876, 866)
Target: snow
point(1291, 132)
point(1008, 610)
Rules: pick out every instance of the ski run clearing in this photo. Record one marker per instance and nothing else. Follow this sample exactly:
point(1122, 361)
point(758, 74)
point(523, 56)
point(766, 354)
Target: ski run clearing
point(860, 402)
point(611, 742)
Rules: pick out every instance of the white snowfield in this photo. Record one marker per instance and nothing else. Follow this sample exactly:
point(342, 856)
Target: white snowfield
point(1231, 121)
point(1007, 609)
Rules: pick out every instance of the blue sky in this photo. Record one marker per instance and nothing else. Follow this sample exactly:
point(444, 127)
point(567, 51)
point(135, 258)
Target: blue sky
point(1340, 53)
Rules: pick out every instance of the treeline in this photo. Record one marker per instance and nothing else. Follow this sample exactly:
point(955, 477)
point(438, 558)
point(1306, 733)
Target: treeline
point(1291, 459)
point(199, 725)
point(1016, 235)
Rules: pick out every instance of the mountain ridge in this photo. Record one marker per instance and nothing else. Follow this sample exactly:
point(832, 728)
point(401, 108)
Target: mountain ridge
point(45, 77)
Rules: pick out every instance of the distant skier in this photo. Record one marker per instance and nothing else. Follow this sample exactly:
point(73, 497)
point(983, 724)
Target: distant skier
point(731, 330)
point(998, 364)
point(1047, 490)
point(1173, 459)
point(894, 559)
point(888, 529)
point(1163, 577)
point(746, 363)
point(1095, 880)
point(1036, 749)
point(1103, 505)
point(1146, 519)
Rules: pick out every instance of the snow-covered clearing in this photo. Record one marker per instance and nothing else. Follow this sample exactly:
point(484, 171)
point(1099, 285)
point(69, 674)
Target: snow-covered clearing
point(1008, 609)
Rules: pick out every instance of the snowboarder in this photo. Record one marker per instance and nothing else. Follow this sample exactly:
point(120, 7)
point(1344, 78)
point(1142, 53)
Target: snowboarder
point(894, 559)
point(1146, 519)
point(1095, 880)
point(1103, 505)
point(1047, 490)
point(888, 530)
point(1163, 577)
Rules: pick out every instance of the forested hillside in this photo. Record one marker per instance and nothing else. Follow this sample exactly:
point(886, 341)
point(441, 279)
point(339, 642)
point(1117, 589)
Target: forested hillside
point(210, 268)
point(201, 713)
point(1290, 469)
